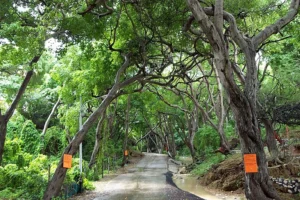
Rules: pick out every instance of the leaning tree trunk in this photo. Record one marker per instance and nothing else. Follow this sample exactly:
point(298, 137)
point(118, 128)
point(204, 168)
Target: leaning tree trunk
point(3, 130)
point(270, 139)
point(5, 118)
point(56, 182)
point(243, 103)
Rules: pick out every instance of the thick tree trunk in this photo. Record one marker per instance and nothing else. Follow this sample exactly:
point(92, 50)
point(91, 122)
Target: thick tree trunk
point(270, 139)
point(257, 185)
point(243, 103)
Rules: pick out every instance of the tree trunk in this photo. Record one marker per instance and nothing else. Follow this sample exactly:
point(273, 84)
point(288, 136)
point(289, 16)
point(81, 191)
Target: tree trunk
point(49, 118)
point(125, 157)
point(223, 140)
point(243, 103)
point(5, 118)
point(98, 138)
point(192, 150)
point(3, 130)
point(270, 139)
point(56, 182)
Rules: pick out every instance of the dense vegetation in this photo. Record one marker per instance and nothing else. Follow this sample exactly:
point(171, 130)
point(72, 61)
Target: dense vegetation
point(183, 78)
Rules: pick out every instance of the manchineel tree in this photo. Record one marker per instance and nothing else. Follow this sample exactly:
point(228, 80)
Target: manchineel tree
point(243, 102)
point(152, 42)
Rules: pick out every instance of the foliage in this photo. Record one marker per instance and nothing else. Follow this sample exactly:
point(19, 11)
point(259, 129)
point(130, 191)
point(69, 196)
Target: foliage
point(54, 141)
point(28, 182)
point(85, 64)
point(207, 164)
point(206, 140)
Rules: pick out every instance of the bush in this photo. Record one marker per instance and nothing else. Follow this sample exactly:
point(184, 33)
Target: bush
point(28, 182)
point(207, 164)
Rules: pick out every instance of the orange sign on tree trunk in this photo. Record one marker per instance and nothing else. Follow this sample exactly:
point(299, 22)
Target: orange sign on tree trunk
point(250, 163)
point(126, 152)
point(67, 161)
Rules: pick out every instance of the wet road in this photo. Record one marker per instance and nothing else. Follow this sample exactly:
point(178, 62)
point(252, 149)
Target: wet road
point(149, 179)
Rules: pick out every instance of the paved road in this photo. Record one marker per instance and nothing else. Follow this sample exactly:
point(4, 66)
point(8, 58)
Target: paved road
point(149, 179)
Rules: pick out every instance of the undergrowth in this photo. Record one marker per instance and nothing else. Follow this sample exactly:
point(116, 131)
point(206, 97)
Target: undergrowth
point(211, 160)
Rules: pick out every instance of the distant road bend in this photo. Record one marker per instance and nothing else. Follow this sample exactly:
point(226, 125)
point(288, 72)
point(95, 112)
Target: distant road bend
point(149, 179)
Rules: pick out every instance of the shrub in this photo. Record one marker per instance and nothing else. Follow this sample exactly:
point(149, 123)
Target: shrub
point(207, 164)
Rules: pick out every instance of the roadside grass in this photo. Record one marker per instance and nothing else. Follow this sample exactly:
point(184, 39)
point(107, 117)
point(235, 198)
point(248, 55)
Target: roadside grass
point(207, 164)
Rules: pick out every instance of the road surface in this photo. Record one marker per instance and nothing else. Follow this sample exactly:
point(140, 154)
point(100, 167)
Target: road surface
point(149, 179)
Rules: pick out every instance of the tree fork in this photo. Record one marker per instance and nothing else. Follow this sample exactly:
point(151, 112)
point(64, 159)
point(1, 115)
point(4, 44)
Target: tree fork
point(243, 103)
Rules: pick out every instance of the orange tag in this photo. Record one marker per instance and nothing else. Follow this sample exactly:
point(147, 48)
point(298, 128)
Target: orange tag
point(67, 161)
point(250, 163)
point(126, 152)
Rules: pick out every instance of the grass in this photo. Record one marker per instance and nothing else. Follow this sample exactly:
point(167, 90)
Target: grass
point(202, 168)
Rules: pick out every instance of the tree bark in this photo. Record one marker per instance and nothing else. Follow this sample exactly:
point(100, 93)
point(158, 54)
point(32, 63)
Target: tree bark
point(98, 138)
point(125, 157)
point(193, 128)
point(270, 139)
point(3, 130)
point(243, 103)
point(191, 147)
point(220, 110)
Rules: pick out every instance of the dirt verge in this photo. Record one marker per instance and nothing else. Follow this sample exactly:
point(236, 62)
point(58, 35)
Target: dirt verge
point(229, 176)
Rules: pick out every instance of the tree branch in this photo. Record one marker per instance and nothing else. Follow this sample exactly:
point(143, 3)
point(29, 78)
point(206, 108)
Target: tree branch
point(49, 117)
point(22, 89)
point(278, 25)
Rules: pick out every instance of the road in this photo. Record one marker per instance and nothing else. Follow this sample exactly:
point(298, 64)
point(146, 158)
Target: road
point(149, 179)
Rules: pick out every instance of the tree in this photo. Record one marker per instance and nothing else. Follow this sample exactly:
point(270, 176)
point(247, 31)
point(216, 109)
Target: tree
point(4, 118)
point(243, 102)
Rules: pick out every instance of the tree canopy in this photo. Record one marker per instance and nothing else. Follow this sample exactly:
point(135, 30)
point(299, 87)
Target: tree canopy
point(145, 74)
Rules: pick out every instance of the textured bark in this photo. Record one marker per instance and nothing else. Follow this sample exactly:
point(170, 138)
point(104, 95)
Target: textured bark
point(221, 113)
point(270, 139)
point(243, 103)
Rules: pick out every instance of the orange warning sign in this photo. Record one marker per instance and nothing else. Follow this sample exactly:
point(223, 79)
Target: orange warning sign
point(126, 152)
point(67, 161)
point(250, 163)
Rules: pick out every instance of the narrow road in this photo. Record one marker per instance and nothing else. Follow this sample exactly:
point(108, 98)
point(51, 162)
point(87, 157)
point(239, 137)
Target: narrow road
point(149, 179)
